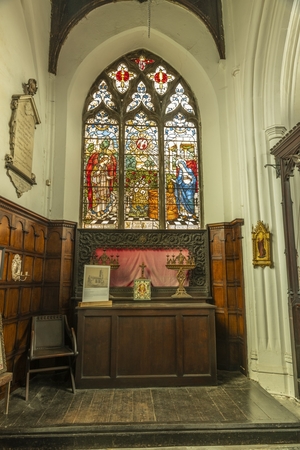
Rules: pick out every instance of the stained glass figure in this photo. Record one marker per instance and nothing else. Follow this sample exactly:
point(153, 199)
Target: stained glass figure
point(142, 62)
point(179, 98)
point(102, 95)
point(100, 206)
point(141, 173)
point(161, 79)
point(141, 150)
point(141, 96)
point(181, 173)
point(122, 77)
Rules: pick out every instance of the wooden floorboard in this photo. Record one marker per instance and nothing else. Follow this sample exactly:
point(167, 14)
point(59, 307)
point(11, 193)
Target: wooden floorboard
point(229, 409)
point(209, 411)
point(52, 403)
point(165, 410)
point(76, 406)
point(183, 404)
point(144, 410)
point(252, 411)
point(235, 411)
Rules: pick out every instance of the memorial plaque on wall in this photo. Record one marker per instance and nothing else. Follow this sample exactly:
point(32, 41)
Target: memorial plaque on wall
point(23, 122)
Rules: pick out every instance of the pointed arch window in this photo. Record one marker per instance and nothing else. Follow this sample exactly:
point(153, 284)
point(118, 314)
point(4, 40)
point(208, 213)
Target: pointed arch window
point(141, 154)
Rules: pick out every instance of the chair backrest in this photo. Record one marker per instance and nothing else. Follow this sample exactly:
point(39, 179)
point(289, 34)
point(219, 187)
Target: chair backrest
point(49, 331)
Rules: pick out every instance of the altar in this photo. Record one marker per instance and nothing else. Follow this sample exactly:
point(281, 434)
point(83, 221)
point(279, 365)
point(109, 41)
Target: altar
point(143, 344)
point(168, 339)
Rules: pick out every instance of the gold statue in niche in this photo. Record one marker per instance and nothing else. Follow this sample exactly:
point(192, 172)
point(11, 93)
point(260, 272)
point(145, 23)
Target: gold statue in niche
point(261, 238)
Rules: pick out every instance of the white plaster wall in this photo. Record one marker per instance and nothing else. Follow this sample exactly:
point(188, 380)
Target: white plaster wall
point(24, 38)
point(110, 31)
point(255, 38)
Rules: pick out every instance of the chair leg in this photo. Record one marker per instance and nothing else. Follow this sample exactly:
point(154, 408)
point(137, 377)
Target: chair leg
point(7, 393)
point(72, 376)
point(27, 380)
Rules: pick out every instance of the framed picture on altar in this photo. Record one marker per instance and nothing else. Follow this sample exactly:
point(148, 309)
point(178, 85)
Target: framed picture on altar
point(96, 281)
point(142, 289)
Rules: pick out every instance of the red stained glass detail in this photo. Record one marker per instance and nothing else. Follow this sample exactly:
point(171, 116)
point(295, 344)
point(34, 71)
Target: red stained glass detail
point(161, 77)
point(122, 75)
point(142, 143)
point(142, 62)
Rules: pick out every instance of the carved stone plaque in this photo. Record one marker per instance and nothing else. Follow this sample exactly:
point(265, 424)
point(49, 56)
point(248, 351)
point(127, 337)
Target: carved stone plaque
point(23, 122)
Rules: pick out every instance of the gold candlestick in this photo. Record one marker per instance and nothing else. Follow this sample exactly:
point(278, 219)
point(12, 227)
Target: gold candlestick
point(105, 260)
point(181, 263)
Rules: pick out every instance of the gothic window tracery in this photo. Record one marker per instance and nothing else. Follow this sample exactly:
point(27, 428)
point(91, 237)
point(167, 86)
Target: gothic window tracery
point(141, 155)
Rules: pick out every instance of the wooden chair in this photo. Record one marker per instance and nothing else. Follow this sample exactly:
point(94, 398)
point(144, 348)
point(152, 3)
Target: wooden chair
point(49, 334)
point(6, 378)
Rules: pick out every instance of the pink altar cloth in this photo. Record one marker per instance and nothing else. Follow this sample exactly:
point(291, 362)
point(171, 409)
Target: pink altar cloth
point(130, 261)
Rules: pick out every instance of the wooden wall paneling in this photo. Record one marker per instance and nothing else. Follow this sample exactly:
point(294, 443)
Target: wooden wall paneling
point(38, 270)
point(67, 269)
point(240, 338)
point(29, 238)
point(36, 300)
point(25, 301)
point(25, 233)
point(228, 294)
point(17, 236)
point(59, 267)
point(4, 230)
point(10, 338)
point(218, 278)
point(11, 307)
point(2, 298)
point(52, 271)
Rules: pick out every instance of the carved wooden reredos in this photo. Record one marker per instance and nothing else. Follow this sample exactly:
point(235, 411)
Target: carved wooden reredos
point(87, 241)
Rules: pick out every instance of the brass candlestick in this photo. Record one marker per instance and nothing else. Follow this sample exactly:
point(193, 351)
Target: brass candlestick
point(181, 263)
point(105, 260)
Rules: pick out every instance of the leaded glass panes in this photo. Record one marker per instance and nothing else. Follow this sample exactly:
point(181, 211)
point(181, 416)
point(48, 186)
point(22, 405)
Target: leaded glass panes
point(179, 98)
point(100, 184)
point(102, 95)
point(142, 62)
point(141, 157)
point(140, 97)
point(122, 77)
point(181, 174)
point(141, 173)
point(161, 79)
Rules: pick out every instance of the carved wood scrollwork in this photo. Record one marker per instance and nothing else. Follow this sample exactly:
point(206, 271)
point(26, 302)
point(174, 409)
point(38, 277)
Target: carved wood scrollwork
point(87, 241)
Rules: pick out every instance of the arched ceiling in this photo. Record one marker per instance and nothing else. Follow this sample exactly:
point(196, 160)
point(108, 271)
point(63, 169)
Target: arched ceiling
point(65, 14)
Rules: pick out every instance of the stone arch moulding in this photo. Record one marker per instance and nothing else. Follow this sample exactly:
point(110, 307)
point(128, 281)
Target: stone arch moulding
point(65, 14)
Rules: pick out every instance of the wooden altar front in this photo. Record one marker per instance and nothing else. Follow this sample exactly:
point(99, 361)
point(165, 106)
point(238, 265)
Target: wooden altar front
point(143, 344)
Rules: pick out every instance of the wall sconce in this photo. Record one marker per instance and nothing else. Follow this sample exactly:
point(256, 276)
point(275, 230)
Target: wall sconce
point(16, 273)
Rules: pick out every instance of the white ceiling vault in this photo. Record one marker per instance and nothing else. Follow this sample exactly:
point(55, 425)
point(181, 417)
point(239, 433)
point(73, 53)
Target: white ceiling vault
point(65, 14)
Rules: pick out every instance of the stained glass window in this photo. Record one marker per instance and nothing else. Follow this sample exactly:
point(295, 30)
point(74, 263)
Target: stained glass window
point(141, 154)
